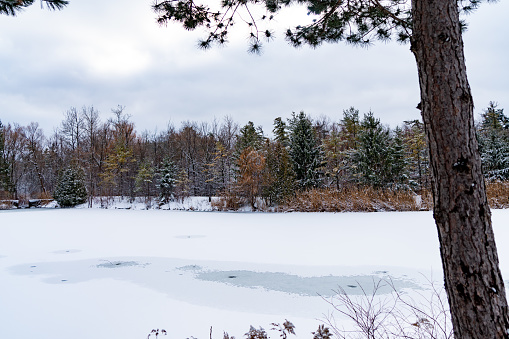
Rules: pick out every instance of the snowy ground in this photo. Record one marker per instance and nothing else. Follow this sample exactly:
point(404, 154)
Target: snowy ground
point(95, 273)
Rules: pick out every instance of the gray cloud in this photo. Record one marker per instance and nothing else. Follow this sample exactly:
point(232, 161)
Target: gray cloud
point(118, 55)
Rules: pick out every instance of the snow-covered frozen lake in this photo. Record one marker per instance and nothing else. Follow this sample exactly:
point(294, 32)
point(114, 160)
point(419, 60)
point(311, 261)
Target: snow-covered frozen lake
point(93, 273)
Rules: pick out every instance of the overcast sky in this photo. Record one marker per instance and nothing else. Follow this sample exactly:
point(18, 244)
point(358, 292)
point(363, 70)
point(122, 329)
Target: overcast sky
point(109, 53)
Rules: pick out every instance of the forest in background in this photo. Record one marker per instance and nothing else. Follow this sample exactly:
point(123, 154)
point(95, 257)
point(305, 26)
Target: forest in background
point(305, 159)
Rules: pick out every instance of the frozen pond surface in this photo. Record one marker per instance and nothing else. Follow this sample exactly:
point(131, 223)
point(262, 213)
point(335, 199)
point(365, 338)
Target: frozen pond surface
point(118, 274)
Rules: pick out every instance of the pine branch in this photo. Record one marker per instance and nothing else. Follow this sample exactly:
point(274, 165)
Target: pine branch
point(13, 7)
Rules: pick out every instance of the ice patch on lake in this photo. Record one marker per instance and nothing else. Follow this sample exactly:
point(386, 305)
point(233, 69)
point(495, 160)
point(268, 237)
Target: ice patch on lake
point(214, 283)
point(190, 268)
point(120, 264)
point(325, 286)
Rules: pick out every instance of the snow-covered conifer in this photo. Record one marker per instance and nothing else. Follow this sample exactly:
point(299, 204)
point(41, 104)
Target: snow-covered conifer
point(167, 179)
point(70, 189)
point(304, 151)
point(493, 139)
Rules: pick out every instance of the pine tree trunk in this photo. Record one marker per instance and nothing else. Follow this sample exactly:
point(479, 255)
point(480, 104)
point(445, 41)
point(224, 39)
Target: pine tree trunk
point(473, 280)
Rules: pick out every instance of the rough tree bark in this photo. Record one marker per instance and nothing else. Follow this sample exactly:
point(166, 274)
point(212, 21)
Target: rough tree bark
point(469, 256)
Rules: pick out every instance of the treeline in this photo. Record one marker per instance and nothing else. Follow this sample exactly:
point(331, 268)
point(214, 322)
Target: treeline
point(242, 164)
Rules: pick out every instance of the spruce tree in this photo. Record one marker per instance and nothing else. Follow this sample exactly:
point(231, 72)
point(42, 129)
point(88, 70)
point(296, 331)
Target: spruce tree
point(167, 179)
point(495, 156)
point(493, 138)
point(71, 189)
point(399, 161)
point(304, 152)
point(373, 156)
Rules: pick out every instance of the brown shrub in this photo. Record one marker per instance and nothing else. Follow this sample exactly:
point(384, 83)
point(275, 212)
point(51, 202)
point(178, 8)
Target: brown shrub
point(227, 201)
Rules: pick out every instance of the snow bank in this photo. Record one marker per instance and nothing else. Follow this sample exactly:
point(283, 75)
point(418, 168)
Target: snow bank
point(187, 204)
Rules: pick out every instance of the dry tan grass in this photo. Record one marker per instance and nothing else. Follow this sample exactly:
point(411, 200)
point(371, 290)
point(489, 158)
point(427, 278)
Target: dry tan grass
point(498, 194)
point(368, 199)
point(356, 199)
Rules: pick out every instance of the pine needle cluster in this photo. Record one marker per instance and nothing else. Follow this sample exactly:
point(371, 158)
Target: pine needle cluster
point(13, 7)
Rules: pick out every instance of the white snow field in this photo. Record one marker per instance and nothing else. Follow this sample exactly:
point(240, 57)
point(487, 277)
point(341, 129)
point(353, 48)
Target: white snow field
point(97, 274)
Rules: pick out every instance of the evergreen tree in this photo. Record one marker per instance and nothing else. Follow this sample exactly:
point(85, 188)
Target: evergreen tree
point(493, 138)
point(495, 156)
point(167, 179)
point(379, 160)
point(399, 162)
point(494, 119)
point(279, 175)
point(304, 152)
point(280, 132)
point(350, 127)
point(71, 189)
point(249, 136)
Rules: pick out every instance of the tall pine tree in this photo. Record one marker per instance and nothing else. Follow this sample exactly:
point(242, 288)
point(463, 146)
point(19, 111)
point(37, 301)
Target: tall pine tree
point(304, 152)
